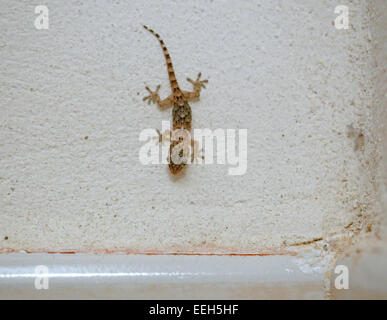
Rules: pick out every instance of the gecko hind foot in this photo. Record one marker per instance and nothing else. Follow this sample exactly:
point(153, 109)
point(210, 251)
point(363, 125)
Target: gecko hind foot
point(153, 95)
point(198, 84)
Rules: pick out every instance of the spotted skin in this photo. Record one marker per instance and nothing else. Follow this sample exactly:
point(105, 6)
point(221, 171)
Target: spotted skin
point(181, 111)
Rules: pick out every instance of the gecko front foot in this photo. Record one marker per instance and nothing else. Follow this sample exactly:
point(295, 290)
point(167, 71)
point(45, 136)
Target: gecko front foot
point(198, 84)
point(153, 95)
point(196, 152)
point(163, 137)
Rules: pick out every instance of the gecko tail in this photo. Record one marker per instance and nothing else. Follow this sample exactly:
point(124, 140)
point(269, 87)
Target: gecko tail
point(171, 72)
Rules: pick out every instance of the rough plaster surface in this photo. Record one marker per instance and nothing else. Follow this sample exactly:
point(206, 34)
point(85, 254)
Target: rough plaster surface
point(367, 260)
point(277, 68)
point(378, 28)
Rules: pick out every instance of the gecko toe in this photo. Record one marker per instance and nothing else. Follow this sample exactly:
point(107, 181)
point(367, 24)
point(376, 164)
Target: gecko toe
point(198, 83)
point(153, 95)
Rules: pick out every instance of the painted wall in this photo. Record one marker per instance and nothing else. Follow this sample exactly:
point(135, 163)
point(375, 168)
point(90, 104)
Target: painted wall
point(72, 113)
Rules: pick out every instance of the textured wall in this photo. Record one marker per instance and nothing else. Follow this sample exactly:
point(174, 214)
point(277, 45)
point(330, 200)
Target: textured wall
point(379, 27)
point(279, 69)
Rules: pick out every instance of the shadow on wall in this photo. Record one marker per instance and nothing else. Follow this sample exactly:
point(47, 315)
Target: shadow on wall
point(366, 267)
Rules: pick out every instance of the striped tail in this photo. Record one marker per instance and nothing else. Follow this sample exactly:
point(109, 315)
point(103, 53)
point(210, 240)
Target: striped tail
point(171, 72)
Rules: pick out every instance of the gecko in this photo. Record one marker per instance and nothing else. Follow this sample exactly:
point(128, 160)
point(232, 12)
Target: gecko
point(181, 112)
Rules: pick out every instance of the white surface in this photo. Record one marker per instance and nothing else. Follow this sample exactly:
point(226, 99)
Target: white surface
point(156, 277)
point(278, 68)
point(367, 261)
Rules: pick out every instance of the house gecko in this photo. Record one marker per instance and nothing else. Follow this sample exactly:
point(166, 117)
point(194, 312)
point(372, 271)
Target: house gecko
point(182, 146)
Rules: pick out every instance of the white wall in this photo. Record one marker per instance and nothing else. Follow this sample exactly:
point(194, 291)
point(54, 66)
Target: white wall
point(279, 69)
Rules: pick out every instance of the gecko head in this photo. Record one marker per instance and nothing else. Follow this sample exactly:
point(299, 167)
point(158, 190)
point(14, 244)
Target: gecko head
point(176, 168)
